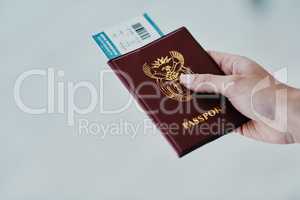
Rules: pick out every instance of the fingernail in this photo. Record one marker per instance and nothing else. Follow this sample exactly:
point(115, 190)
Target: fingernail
point(186, 79)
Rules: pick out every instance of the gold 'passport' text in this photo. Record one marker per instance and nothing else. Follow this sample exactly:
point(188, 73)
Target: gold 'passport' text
point(189, 123)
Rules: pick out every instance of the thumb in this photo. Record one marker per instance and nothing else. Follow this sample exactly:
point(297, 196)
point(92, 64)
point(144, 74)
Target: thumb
point(223, 84)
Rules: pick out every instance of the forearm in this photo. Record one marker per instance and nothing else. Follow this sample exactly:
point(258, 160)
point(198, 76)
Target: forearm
point(293, 113)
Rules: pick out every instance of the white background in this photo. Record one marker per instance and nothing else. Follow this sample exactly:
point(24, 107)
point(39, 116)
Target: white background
point(41, 157)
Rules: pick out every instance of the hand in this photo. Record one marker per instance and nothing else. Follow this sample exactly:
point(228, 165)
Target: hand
point(273, 109)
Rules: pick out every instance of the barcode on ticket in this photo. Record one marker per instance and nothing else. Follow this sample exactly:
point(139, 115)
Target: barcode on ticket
point(127, 36)
point(141, 31)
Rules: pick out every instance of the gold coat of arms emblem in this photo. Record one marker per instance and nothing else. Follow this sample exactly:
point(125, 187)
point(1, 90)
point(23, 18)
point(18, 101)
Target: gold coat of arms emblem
point(166, 72)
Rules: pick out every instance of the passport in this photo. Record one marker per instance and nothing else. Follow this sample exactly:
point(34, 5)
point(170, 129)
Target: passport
point(187, 119)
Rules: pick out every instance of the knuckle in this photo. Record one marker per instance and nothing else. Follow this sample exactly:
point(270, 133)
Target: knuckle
point(198, 79)
point(236, 79)
point(231, 86)
point(201, 80)
point(205, 78)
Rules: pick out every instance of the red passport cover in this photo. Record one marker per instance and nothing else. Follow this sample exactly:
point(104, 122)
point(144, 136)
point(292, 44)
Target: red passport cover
point(151, 73)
